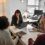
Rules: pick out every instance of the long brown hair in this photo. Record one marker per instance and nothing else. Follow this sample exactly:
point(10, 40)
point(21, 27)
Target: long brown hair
point(14, 18)
point(17, 11)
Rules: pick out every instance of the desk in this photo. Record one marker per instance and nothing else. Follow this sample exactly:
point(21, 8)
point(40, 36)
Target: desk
point(30, 20)
point(24, 38)
point(14, 30)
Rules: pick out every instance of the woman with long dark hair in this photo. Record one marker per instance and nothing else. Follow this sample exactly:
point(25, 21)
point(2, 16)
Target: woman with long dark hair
point(17, 19)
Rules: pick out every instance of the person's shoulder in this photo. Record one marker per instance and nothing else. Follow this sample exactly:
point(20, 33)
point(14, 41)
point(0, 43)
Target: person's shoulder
point(4, 35)
point(12, 16)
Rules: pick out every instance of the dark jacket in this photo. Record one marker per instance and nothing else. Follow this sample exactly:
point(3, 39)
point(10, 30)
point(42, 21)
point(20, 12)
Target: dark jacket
point(14, 21)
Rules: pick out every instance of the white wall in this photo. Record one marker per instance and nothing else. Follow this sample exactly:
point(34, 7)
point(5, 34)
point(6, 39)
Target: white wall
point(12, 5)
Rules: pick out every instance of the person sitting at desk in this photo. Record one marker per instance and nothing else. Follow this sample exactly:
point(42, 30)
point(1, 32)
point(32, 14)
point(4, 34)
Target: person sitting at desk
point(42, 23)
point(17, 19)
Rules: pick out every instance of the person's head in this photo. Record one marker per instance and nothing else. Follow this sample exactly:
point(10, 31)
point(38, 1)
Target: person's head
point(17, 13)
point(40, 40)
point(3, 23)
point(30, 41)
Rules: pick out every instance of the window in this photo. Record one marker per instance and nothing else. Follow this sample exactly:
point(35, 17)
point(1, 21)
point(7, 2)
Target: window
point(31, 2)
point(32, 5)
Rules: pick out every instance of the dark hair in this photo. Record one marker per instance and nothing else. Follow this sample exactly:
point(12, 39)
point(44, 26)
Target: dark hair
point(17, 11)
point(40, 40)
point(3, 22)
point(14, 18)
point(30, 41)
